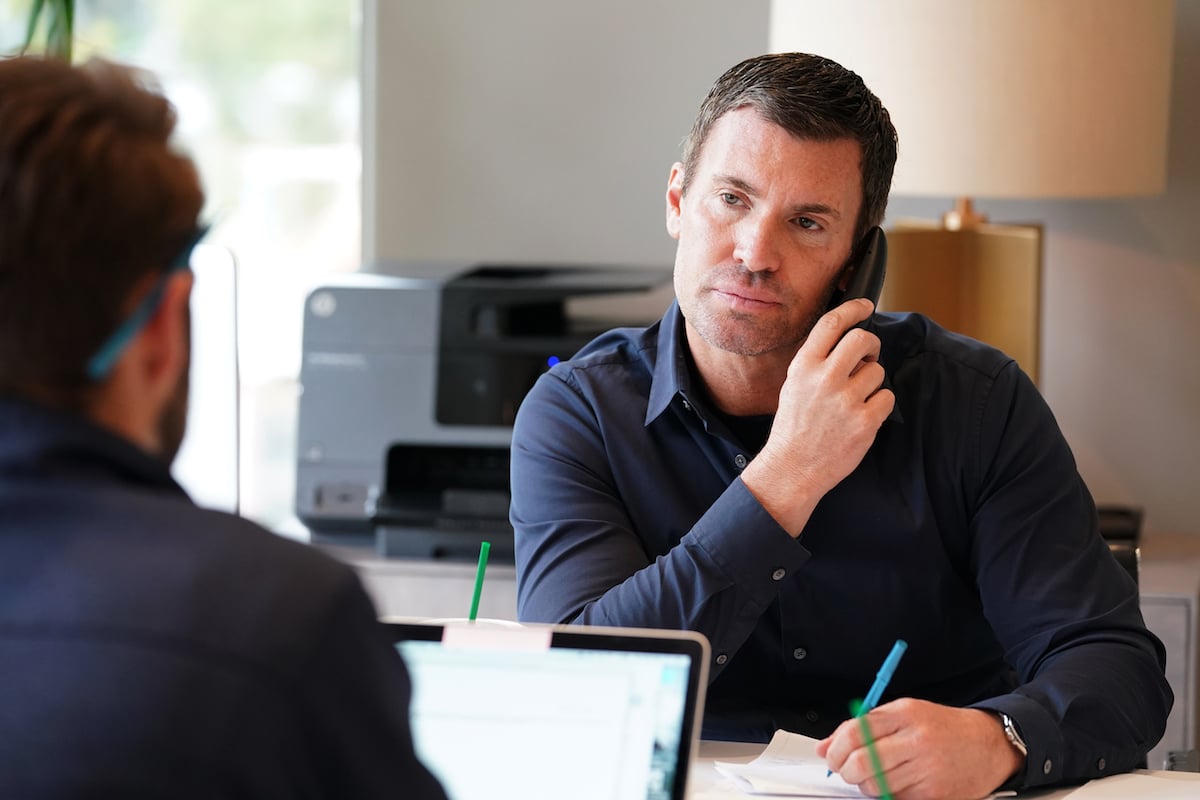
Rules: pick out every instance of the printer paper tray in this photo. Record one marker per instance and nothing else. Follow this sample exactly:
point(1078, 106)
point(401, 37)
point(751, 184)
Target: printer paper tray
point(460, 543)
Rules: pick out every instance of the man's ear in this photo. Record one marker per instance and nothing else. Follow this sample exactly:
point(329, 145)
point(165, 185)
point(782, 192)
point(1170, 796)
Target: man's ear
point(146, 376)
point(674, 199)
point(168, 331)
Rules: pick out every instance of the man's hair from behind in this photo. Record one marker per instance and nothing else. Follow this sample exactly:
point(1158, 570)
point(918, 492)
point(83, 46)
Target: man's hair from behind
point(811, 98)
point(93, 198)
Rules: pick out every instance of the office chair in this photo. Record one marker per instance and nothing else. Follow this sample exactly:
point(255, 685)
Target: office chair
point(1121, 528)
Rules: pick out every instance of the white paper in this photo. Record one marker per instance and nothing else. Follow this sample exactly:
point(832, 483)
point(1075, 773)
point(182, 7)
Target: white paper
point(790, 767)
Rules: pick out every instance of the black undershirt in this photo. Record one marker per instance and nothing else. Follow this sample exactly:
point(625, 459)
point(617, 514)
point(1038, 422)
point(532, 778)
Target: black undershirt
point(751, 432)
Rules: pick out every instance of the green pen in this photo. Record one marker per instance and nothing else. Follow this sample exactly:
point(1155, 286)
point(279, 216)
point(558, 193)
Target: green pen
point(484, 549)
point(859, 710)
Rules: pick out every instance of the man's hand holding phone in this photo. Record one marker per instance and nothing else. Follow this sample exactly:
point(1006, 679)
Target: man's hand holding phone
point(830, 408)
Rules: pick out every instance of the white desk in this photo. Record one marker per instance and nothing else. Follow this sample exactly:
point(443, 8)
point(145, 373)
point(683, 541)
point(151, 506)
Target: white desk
point(705, 783)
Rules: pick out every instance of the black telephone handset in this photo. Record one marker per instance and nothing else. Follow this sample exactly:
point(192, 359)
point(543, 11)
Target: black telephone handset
point(867, 278)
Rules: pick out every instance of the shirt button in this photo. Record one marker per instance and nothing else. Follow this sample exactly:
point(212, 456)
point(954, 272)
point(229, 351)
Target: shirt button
point(740, 461)
point(778, 574)
point(721, 659)
point(1101, 764)
point(799, 654)
point(1047, 767)
point(812, 716)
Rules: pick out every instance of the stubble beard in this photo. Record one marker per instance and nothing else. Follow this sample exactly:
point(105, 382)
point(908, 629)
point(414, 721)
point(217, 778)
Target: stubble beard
point(746, 334)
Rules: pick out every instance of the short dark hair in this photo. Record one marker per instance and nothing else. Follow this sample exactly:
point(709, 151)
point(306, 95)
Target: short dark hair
point(811, 98)
point(93, 198)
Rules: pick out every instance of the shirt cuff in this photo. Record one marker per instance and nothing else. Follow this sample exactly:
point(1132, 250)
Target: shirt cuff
point(1044, 762)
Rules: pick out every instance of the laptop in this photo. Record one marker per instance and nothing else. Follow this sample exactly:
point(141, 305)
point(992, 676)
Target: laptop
point(546, 712)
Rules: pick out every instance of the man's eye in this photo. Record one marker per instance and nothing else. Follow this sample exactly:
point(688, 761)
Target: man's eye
point(807, 223)
point(730, 199)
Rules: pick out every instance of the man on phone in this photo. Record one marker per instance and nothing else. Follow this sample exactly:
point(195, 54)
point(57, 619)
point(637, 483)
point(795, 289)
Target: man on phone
point(149, 648)
point(805, 492)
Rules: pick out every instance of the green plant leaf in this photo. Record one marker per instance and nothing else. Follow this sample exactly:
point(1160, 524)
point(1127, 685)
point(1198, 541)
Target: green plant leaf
point(58, 38)
point(35, 12)
point(57, 18)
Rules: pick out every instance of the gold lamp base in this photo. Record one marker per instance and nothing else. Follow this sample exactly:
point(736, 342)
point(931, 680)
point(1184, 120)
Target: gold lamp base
point(976, 278)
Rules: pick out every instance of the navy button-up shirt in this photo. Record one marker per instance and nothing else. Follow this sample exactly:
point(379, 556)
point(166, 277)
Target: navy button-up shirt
point(966, 530)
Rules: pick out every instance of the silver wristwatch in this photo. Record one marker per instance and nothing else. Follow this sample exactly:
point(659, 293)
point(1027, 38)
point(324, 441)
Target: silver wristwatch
point(1014, 738)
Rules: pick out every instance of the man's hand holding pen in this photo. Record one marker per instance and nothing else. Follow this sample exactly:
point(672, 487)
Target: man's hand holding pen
point(927, 751)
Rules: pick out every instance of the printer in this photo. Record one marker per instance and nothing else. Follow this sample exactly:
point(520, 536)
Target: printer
point(411, 377)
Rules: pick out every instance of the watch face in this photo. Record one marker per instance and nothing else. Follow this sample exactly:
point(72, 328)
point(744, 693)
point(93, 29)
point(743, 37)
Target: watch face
point(1014, 738)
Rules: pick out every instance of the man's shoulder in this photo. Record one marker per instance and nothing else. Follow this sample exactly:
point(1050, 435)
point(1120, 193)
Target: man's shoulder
point(914, 341)
point(267, 570)
point(149, 560)
point(609, 378)
point(619, 347)
point(618, 364)
point(222, 531)
point(295, 556)
point(171, 522)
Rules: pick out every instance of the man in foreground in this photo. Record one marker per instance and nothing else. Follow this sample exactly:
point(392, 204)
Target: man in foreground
point(805, 493)
point(148, 648)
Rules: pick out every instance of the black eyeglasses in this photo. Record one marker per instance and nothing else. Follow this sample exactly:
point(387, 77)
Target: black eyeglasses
point(102, 363)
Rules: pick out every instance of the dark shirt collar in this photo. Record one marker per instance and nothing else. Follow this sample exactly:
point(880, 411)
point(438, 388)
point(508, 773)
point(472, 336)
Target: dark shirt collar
point(671, 374)
point(38, 442)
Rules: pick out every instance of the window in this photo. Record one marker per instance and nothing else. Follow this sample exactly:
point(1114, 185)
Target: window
point(268, 100)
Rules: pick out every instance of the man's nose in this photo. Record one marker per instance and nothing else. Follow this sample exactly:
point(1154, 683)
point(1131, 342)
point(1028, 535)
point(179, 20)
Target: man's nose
point(756, 244)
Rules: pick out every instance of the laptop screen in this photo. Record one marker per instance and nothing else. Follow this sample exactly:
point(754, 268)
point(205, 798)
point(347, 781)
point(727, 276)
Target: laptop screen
point(554, 712)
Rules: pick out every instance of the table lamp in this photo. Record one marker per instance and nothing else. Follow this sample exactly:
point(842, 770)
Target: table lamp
point(998, 99)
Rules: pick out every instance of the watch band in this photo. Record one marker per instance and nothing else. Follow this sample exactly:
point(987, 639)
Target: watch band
point(1013, 735)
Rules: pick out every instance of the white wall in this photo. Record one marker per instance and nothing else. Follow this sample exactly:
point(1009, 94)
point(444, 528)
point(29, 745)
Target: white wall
point(543, 130)
point(538, 130)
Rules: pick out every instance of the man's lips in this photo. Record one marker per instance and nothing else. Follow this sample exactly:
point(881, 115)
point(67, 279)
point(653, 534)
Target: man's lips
point(741, 295)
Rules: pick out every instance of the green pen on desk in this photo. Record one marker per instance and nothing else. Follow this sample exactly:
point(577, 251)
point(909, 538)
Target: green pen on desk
point(484, 549)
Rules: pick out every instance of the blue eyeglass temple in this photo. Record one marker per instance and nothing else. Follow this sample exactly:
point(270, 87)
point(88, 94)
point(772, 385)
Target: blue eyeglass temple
point(102, 363)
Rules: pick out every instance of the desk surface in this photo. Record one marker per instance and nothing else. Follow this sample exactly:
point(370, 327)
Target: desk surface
point(705, 783)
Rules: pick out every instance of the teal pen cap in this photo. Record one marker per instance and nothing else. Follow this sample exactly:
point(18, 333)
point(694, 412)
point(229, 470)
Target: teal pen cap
point(884, 675)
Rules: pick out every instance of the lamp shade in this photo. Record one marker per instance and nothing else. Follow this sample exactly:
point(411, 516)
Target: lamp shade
point(1006, 98)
